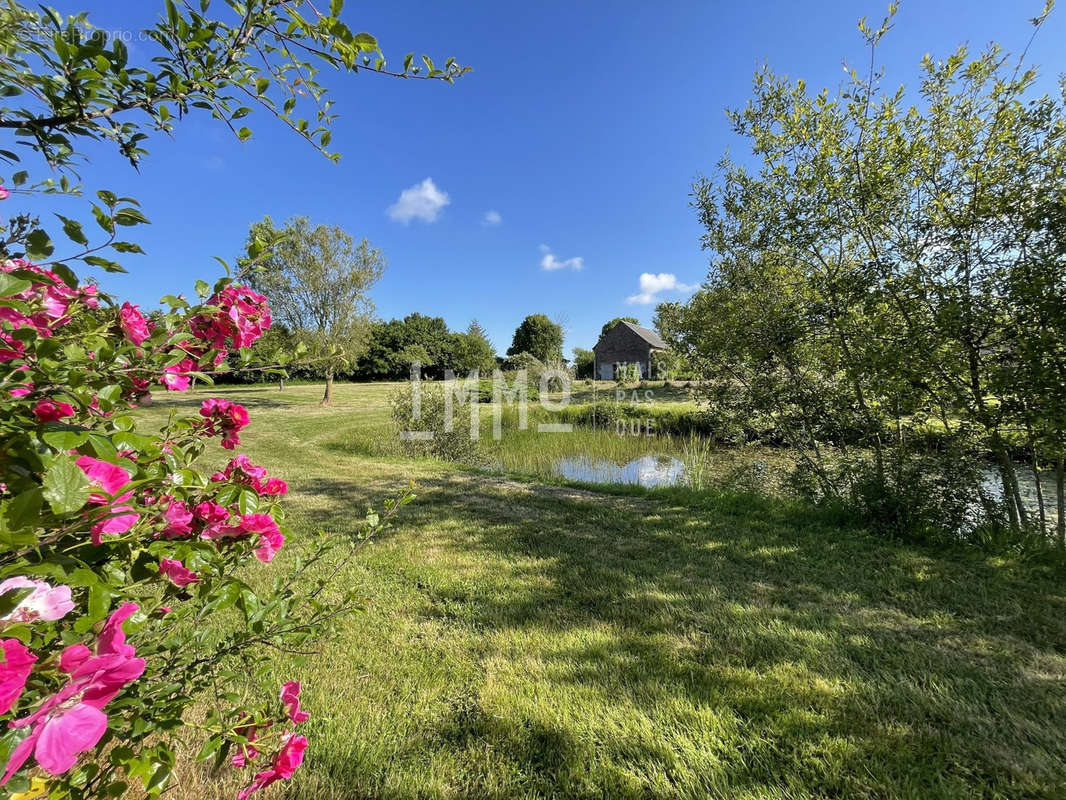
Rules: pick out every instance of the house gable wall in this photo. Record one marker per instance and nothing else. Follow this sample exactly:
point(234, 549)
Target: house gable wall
point(621, 345)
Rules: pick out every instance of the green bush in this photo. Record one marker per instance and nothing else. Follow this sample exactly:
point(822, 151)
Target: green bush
point(447, 445)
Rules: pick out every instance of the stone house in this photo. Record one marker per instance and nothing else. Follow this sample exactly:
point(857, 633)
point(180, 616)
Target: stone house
point(625, 344)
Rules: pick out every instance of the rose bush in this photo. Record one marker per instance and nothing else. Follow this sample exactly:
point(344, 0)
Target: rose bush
point(128, 576)
point(117, 549)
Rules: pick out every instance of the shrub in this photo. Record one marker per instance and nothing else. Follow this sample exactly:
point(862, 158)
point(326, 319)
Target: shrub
point(447, 445)
point(109, 531)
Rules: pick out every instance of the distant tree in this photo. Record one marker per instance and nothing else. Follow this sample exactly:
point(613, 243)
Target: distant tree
point(473, 350)
point(608, 325)
point(317, 279)
point(540, 337)
point(382, 359)
point(428, 341)
point(584, 363)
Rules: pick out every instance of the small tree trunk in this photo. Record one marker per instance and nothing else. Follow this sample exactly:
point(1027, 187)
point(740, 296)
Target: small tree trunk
point(1006, 472)
point(1060, 485)
point(281, 384)
point(328, 395)
point(1039, 495)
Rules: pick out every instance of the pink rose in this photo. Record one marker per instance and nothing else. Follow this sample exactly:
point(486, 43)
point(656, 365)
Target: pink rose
point(72, 721)
point(179, 520)
point(134, 324)
point(15, 669)
point(286, 762)
point(52, 411)
point(43, 603)
point(290, 698)
point(177, 572)
point(103, 475)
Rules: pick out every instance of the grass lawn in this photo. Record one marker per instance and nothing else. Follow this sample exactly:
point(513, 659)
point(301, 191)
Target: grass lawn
point(526, 640)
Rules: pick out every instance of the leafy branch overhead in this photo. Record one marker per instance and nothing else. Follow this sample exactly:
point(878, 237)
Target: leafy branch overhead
point(64, 81)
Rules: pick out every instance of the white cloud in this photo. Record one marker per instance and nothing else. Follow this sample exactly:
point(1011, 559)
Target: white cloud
point(651, 286)
point(491, 218)
point(550, 263)
point(422, 201)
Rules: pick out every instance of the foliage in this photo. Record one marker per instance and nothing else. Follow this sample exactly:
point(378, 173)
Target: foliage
point(888, 267)
point(472, 350)
point(109, 531)
point(395, 344)
point(65, 80)
point(121, 526)
point(318, 280)
point(584, 363)
point(538, 336)
point(447, 435)
point(626, 373)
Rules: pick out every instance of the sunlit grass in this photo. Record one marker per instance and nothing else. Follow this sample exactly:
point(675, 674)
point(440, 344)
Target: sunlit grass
point(525, 640)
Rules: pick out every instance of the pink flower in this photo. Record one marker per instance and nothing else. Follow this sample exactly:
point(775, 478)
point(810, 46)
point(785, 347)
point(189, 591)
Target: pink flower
point(43, 603)
point(174, 377)
point(179, 520)
point(112, 638)
point(4, 193)
point(226, 418)
point(71, 721)
point(285, 764)
point(247, 751)
point(52, 411)
point(290, 698)
point(211, 512)
point(15, 669)
point(177, 572)
point(120, 520)
point(134, 324)
point(241, 470)
point(111, 478)
point(21, 390)
point(242, 317)
point(275, 486)
point(269, 537)
point(103, 475)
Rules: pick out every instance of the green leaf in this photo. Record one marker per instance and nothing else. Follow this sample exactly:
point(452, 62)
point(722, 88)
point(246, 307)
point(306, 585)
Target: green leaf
point(106, 264)
point(38, 245)
point(364, 41)
point(64, 440)
point(248, 502)
point(66, 488)
point(127, 247)
point(203, 288)
point(130, 216)
point(18, 515)
point(73, 231)
point(10, 285)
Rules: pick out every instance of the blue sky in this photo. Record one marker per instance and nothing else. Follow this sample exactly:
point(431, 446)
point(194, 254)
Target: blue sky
point(581, 128)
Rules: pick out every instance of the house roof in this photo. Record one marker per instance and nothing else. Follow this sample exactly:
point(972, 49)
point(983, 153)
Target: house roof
point(648, 335)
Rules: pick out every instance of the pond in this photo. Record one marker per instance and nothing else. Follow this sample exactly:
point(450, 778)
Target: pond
point(650, 471)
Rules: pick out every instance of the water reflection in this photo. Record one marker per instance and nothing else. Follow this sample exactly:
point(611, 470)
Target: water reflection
point(647, 471)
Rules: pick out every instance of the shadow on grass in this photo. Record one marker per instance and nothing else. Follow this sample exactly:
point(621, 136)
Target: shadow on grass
point(780, 652)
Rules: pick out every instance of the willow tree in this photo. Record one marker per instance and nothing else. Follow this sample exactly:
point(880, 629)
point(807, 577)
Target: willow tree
point(318, 279)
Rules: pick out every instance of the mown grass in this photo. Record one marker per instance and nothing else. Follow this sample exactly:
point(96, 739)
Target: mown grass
point(525, 640)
